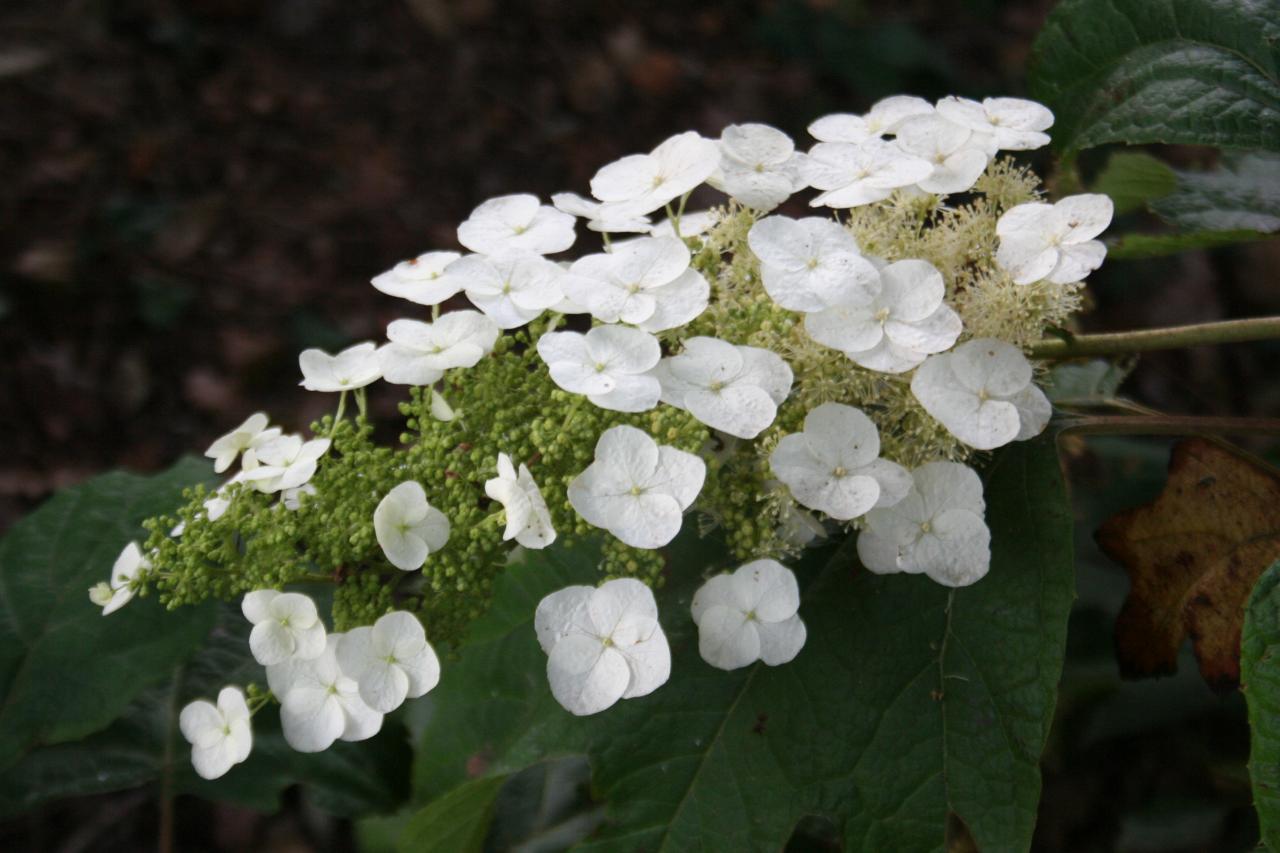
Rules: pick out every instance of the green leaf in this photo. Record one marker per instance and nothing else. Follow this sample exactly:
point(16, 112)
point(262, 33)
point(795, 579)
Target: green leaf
point(1260, 681)
point(1136, 247)
point(1197, 72)
point(909, 701)
point(66, 670)
point(1242, 195)
point(1094, 381)
point(1133, 178)
point(455, 823)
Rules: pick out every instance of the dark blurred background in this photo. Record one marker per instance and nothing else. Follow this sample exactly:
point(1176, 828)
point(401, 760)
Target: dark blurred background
point(193, 192)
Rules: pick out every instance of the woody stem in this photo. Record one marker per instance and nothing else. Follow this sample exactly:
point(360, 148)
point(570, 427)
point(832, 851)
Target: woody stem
point(1169, 337)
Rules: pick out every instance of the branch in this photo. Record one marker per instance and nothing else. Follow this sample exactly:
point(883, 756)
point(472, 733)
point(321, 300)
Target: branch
point(1170, 337)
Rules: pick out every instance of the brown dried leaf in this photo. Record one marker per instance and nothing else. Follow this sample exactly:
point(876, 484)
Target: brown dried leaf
point(1193, 556)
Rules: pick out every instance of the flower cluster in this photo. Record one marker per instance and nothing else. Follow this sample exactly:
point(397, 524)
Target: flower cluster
point(786, 376)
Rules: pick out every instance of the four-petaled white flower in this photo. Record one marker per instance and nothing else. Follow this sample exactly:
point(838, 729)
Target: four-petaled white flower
point(852, 175)
point(937, 529)
point(958, 155)
point(424, 279)
point(254, 432)
point(610, 364)
point(354, 367)
point(1015, 124)
point(637, 489)
point(735, 389)
point(319, 703)
point(516, 223)
point(898, 328)
point(219, 735)
point(408, 528)
point(419, 353)
point(759, 166)
point(646, 282)
point(749, 615)
point(833, 465)
point(528, 519)
point(982, 393)
point(285, 625)
point(116, 593)
point(645, 182)
point(390, 661)
point(602, 644)
point(512, 288)
point(885, 116)
point(609, 218)
point(810, 264)
point(1054, 241)
point(285, 462)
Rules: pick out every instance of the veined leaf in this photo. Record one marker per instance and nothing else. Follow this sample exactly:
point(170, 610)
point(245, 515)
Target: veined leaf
point(1260, 677)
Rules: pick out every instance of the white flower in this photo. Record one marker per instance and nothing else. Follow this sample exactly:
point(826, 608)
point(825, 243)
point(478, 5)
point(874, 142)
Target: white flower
point(252, 433)
point(319, 703)
point(1054, 241)
point(884, 117)
point(220, 735)
point(758, 166)
point(116, 593)
point(285, 625)
point(528, 520)
point(899, 327)
point(811, 264)
point(692, 224)
point(937, 528)
point(982, 393)
point(512, 288)
point(958, 155)
point(1015, 124)
point(423, 279)
point(390, 661)
point(419, 353)
point(637, 489)
point(852, 175)
point(609, 364)
point(609, 218)
point(735, 389)
point(645, 182)
point(748, 616)
point(602, 644)
point(833, 465)
point(516, 223)
point(354, 367)
point(285, 462)
point(408, 528)
point(646, 282)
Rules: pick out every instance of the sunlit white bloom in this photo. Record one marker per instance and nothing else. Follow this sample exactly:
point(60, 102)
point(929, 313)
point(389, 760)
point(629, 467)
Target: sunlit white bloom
point(419, 353)
point(319, 703)
point(1054, 241)
point(603, 644)
point(609, 218)
point(692, 224)
point(833, 466)
point(610, 364)
point(390, 661)
point(220, 735)
point(646, 282)
point(423, 279)
point(285, 625)
point(528, 520)
point(852, 175)
point(982, 393)
point(516, 223)
point(1014, 123)
point(116, 593)
point(884, 117)
point(759, 166)
point(958, 155)
point(811, 264)
point(408, 528)
point(512, 288)
point(285, 462)
point(252, 433)
point(938, 528)
point(749, 615)
point(898, 328)
point(645, 182)
point(354, 367)
point(735, 389)
point(637, 489)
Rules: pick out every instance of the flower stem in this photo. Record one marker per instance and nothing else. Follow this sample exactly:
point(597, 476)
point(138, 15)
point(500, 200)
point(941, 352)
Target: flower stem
point(337, 418)
point(1168, 425)
point(1170, 337)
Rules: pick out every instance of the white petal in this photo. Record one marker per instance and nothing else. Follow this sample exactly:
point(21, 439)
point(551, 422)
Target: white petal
point(1076, 262)
point(312, 719)
point(768, 588)
point(630, 394)
point(649, 662)
point(679, 474)
point(996, 367)
point(1034, 411)
point(360, 722)
point(718, 589)
point(256, 605)
point(201, 723)
point(727, 639)
point(781, 641)
point(271, 643)
point(561, 613)
point(956, 551)
point(214, 761)
point(677, 302)
point(585, 676)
